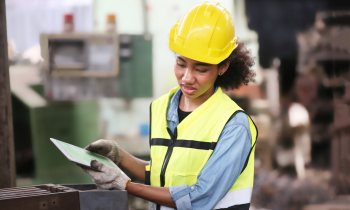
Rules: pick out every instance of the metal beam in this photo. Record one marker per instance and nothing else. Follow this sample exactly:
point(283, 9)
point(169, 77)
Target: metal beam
point(7, 153)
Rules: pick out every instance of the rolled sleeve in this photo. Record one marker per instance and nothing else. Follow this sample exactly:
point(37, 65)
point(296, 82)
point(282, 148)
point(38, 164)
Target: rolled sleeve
point(181, 197)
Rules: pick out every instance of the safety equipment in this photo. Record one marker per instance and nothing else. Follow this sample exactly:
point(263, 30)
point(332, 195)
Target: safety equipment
point(107, 177)
point(178, 158)
point(206, 33)
point(106, 148)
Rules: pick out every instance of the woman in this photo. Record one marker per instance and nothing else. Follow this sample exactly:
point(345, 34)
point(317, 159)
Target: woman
point(202, 143)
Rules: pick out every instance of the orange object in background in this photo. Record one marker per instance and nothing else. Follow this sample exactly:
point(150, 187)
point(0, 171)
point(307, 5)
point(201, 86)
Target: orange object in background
point(111, 23)
point(68, 24)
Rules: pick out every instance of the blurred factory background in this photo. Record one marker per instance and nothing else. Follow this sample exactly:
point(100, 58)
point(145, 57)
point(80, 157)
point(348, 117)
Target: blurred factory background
point(85, 70)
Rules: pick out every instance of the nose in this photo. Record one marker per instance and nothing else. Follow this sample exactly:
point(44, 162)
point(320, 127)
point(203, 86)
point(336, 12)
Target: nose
point(188, 77)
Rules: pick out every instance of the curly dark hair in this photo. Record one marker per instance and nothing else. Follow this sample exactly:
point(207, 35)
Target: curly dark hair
point(239, 72)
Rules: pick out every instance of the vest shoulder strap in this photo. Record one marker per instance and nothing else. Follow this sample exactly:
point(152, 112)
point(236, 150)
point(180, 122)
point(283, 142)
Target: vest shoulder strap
point(255, 139)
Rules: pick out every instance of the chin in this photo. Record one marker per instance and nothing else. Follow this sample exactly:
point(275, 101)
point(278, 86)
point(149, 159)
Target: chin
point(190, 95)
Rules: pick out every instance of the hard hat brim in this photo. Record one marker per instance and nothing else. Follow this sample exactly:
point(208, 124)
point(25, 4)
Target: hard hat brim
point(198, 56)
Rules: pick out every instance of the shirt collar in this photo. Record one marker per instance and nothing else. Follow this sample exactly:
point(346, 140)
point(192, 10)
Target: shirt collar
point(172, 114)
point(174, 103)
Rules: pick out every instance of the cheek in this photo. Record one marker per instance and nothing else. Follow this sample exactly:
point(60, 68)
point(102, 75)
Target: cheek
point(178, 72)
point(208, 79)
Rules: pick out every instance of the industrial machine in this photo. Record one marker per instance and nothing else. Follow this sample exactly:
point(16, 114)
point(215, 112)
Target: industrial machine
point(86, 66)
point(62, 103)
point(67, 197)
point(324, 66)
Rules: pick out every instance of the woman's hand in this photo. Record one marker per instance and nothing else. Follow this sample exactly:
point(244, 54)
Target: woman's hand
point(114, 178)
point(120, 157)
point(107, 177)
point(106, 148)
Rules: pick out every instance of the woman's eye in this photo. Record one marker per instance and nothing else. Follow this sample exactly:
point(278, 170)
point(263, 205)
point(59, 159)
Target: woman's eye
point(180, 65)
point(201, 71)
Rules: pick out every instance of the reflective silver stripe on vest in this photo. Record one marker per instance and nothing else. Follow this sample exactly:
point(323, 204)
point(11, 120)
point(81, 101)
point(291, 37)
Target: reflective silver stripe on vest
point(232, 198)
point(235, 197)
point(165, 208)
point(153, 206)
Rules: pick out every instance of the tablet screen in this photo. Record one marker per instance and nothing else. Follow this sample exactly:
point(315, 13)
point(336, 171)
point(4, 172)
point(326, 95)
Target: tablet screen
point(80, 155)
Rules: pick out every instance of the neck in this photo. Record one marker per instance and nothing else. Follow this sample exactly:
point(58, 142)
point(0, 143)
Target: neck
point(190, 104)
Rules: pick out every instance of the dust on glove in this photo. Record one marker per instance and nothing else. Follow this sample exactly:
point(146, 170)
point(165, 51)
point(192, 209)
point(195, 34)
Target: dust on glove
point(106, 148)
point(107, 177)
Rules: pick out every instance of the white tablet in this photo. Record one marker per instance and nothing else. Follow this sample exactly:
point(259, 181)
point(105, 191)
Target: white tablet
point(79, 155)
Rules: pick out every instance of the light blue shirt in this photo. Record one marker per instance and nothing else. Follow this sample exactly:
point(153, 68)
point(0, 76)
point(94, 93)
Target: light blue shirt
point(222, 169)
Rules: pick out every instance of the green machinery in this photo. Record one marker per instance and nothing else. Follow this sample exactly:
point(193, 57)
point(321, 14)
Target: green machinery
point(74, 121)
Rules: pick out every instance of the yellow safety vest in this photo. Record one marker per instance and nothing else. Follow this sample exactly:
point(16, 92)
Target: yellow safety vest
point(177, 158)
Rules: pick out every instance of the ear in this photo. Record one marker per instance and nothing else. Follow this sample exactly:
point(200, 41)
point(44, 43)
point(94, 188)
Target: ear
point(224, 68)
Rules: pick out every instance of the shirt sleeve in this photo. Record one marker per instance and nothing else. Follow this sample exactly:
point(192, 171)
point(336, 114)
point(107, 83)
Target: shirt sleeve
point(222, 169)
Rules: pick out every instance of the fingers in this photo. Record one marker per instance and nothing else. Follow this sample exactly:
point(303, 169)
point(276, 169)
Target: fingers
point(87, 147)
point(81, 166)
point(104, 176)
point(107, 177)
point(96, 147)
point(93, 147)
point(92, 172)
point(97, 164)
point(95, 175)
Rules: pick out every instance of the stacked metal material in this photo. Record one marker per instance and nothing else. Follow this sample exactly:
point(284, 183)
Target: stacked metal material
point(324, 88)
point(67, 197)
point(279, 190)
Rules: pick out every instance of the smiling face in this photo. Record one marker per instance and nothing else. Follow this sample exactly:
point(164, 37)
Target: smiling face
point(196, 79)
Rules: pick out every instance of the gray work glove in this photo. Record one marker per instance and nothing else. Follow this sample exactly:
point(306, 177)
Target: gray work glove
point(106, 148)
point(107, 177)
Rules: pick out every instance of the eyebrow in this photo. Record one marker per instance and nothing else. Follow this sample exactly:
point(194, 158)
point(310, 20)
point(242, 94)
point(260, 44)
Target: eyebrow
point(196, 64)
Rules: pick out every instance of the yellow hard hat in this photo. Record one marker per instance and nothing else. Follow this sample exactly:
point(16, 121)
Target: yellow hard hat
point(206, 33)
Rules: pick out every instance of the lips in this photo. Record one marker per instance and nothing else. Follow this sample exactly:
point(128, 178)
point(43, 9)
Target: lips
point(188, 89)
